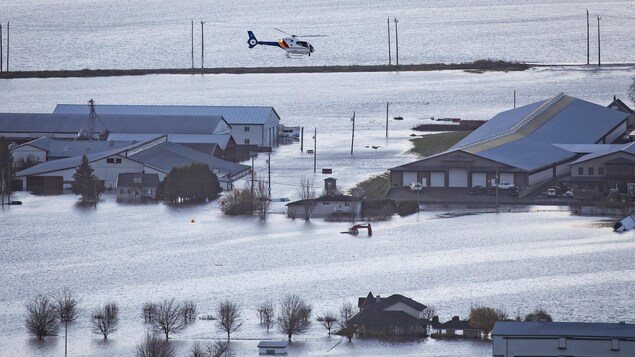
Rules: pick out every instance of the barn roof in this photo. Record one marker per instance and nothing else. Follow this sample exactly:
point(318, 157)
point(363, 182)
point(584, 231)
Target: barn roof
point(232, 114)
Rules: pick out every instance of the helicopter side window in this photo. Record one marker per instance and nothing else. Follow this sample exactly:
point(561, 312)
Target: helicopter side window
point(302, 43)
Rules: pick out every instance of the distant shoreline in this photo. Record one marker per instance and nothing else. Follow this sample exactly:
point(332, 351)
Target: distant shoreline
point(477, 66)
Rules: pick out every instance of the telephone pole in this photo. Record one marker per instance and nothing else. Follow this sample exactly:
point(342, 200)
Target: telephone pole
point(192, 44)
point(389, 57)
point(269, 171)
point(587, 36)
point(202, 45)
point(353, 134)
point(315, 151)
point(7, 46)
point(396, 43)
point(1, 57)
point(386, 119)
point(599, 57)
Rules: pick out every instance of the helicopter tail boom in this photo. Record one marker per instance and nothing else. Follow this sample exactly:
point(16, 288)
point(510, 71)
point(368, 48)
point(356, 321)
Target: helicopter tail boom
point(252, 41)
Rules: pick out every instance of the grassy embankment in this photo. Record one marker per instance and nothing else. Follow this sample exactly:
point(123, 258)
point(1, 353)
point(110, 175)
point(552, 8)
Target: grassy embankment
point(377, 187)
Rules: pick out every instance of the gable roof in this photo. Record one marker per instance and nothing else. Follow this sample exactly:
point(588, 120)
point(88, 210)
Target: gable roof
point(456, 324)
point(389, 301)
point(61, 148)
point(564, 329)
point(145, 180)
point(619, 105)
point(232, 114)
point(625, 148)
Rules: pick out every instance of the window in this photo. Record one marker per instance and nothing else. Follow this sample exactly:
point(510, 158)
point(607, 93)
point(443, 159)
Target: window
point(580, 171)
point(347, 204)
point(325, 203)
point(601, 171)
point(246, 141)
point(590, 171)
point(121, 191)
point(118, 160)
point(246, 129)
point(110, 160)
point(562, 343)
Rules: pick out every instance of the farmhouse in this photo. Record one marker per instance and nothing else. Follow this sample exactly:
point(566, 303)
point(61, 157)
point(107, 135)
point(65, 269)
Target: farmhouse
point(574, 339)
point(254, 126)
point(332, 204)
point(526, 146)
point(135, 187)
point(393, 316)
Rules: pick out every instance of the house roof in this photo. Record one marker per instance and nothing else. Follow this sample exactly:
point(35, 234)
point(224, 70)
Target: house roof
point(625, 148)
point(564, 329)
point(619, 105)
point(389, 301)
point(220, 139)
point(273, 344)
point(143, 180)
point(232, 114)
point(455, 324)
point(378, 317)
point(335, 198)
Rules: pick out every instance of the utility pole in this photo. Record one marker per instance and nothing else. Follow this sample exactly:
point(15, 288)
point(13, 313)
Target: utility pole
point(386, 119)
point(353, 133)
point(252, 180)
point(301, 139)
point(202, 45)
point(2, 186)
point(389, 57)
point(315, 151)
point(7, 46)
point(396, 42)
point(1, 57)
point(192, 44)
point(269, 170)
point(587, 36)
point(514, 99)
point(599, 57)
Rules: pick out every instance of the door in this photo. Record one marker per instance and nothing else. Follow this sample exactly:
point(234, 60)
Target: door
point(437, 179)
point(479, 179)
point(457, 177)
point(409, 177)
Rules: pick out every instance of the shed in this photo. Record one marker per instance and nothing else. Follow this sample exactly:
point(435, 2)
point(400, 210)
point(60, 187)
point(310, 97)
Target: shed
point(272, 347)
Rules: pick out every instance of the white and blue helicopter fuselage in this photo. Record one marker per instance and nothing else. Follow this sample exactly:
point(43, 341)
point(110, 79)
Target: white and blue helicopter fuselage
point(292, 45)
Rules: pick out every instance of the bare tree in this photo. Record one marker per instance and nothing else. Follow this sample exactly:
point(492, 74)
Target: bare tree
point(41, 319)
point(346, 327)
point(149, 311)
point(484, 318)
point(306, 192)
point(429, 312)
point(168, 318)
point(263, 199)
point(153, 346)
point(266, 314)
point(228, 317)
point(105, 319)
point(67, 311)
point(294, 316)
point(189, 311)
point(216, 349)
point(328, 321)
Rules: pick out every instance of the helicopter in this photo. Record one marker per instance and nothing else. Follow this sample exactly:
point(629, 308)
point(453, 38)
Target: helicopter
point(292, 45)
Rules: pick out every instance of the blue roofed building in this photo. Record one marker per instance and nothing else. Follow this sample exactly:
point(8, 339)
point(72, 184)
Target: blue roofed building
point(526, 146)
point(572, 339)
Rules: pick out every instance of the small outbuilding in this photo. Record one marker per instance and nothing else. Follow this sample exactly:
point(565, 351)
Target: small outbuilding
point(135, 187)
point(452, 328)
point(272, 348)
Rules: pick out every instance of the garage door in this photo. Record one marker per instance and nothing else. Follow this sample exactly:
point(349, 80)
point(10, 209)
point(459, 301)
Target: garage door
point(479, 179)
point(437, 179)
point(507, 177)
point(457, 177)
point(408, 177)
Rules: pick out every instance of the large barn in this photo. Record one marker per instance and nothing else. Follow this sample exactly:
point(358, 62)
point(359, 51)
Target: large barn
point(526, 146)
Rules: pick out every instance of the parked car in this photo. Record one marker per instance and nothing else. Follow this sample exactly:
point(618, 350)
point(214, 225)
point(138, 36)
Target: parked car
point(478, 190)
point(551, 192)
point(568, 194)
point(506, 185)
point(416, 186)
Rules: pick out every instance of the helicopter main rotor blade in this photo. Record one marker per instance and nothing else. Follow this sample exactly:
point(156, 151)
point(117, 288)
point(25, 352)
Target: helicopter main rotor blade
point(277, 29)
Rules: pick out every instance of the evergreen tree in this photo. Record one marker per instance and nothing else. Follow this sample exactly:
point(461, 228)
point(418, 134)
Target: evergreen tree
point(5, 163)
point(194, 183)
point(86, 183)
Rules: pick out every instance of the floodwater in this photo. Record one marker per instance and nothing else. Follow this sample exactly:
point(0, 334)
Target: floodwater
point(573, 267)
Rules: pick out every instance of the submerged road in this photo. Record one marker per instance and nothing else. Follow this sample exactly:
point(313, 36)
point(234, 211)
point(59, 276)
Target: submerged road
point(485, 65)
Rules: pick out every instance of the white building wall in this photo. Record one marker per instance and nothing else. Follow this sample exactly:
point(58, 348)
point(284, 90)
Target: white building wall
point(254, 135)
point(109, 172)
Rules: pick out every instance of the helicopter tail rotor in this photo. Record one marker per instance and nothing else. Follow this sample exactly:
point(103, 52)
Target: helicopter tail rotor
point(252, 41)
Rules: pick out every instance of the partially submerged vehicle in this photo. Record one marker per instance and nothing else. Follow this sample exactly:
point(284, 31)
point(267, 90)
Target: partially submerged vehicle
point(625, 224)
